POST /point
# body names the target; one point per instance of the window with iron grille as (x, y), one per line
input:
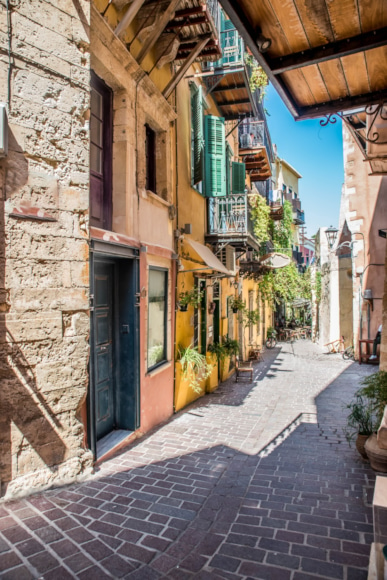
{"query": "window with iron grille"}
(157, 316)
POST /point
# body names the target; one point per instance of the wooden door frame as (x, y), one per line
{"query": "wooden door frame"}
(112, 253)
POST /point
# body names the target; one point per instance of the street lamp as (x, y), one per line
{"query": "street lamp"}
(331, 234)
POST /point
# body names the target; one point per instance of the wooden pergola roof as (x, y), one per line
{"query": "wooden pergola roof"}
(325, 55)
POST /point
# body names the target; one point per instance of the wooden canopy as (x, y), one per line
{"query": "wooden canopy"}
(325, 55)
(257, 162)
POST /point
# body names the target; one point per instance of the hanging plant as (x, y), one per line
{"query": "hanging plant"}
(190, 297)
(257, 77)
(237, 304)
(194, 366)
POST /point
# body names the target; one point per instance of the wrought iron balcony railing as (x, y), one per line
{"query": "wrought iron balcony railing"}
(251, 134)
(233, 50)
(229, 215)
(299, 216)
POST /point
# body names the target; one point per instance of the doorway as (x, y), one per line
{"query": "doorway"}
(114, 362)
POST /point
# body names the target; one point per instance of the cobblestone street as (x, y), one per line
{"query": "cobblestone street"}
(255, 481)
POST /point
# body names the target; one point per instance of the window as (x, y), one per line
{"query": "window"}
(101, 125)
(150, 159)
(197, 137)
(157, 316)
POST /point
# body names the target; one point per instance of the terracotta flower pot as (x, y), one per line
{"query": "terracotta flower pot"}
(360, 445)
(377, 456)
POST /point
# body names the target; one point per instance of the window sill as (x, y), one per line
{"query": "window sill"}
(156, 370)
(157, 198)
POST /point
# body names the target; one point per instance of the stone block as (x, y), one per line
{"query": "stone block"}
(26, 327)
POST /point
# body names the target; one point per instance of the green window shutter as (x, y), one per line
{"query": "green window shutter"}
(215, 163)
(238, 177)
(228, 168)
(197, 136)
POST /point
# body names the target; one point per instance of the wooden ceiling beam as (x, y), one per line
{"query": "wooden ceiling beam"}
(129, 16)
(235, 12)
(210, 52)
(185, 23)
(158, 30)
(190, 11)
(359, 43)
(343, 104)
(232, 103)
(185, 66)
(230, 88)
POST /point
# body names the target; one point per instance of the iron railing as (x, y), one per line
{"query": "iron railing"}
(214, 10)
(251, 134)
(299, 216)
(233, 50)
(228, 215)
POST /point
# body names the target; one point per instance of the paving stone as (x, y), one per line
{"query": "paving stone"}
(19, 573)
(43, 562)
(198, 490)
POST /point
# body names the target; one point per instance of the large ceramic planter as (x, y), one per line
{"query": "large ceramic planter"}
(376, 456)
(360, 445)
(184, 394)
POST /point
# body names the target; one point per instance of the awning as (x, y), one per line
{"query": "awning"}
(275, 260)
(204, 254)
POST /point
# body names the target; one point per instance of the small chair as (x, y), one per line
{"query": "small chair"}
(243, 369)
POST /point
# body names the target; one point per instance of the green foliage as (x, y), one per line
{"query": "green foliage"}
(218, 350)
(282, 230)
(249, 317)
(258, 78)
(193, 365)
(260, 214)
(193, 297)
(231, 346)
(317, 287)
(271, 332)
(375, 390)
(285, 284)
(361, 419)
(237, 304)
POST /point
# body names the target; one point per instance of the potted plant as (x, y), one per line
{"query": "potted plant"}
(231, 346)
(190, 297)
(194, 367)
(361, 422)
(219, 351)
(375, 389)
(237, 304)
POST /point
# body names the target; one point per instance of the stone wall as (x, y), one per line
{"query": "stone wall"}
(44, 275)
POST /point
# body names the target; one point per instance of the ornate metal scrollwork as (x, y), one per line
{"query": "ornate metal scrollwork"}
(331, 118)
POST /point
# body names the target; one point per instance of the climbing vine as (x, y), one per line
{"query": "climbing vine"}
(317, 287)
(260, 214)
(282, 230)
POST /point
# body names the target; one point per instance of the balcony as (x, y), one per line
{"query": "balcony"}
(253, 151)
(177, 31)
(299, 217)
(227, 78)
(229, 222)
(276, 210)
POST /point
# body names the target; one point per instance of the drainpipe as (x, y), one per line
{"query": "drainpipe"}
(177, 252)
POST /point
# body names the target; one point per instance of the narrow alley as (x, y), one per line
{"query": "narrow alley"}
(255, 481)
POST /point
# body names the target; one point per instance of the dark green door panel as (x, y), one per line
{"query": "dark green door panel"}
(103, 348)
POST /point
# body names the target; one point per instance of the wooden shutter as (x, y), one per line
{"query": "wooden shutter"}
(228, 168)
(238, 177)
(215, 162)
(197, 136)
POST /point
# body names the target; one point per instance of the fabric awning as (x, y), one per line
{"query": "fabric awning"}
(275, 260)
(205, 255)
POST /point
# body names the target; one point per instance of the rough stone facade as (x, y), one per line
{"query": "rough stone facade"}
(44, 261)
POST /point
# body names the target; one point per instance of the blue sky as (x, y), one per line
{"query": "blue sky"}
(317, 153)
